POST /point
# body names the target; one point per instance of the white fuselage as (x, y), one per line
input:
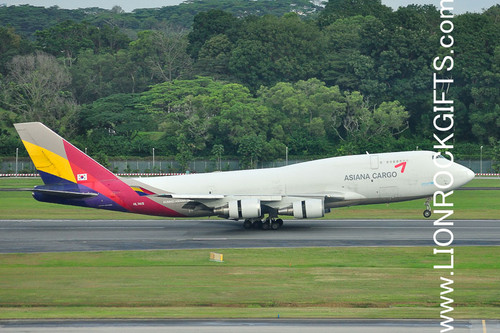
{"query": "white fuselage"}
(359, 179)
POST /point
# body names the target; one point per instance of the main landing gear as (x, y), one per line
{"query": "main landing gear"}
(427, 211)
(267, 224)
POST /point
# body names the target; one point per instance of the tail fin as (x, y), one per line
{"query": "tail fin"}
(57, 160)
(70, 176)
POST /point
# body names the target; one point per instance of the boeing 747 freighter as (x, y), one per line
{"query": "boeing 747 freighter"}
(257, 197)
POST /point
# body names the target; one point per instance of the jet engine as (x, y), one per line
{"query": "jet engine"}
(309, 208)
(237, 209)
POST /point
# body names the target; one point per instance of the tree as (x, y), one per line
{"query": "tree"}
(273, 49)
(163, 53)
(360, 123)
(65, 39)
(217, 151)
(92, 76)
(250, 150)
(36, 91)
(214, 56)
(343, 45)
(206, 25)
(185, 153)
(11, 44)
(113, 125)
(304, 111)
(477, 79)
(69, 38)
(97, 75)
(116, 114)
(337, 9)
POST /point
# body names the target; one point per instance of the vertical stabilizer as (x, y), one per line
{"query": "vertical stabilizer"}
(70, 176)
(56, 159)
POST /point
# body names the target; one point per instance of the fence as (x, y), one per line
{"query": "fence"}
(25, 166)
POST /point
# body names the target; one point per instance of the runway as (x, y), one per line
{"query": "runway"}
(262, 326)
(103, 235)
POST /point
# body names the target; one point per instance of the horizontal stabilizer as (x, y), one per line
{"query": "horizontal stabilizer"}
(66, 194)
(192, 196)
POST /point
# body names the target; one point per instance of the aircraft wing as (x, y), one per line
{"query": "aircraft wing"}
(241, 206)
(328, 196)
(219, 196)
(333, 196)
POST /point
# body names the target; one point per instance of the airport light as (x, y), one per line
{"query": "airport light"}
(17, 157)
(153, 158)
(481, 161)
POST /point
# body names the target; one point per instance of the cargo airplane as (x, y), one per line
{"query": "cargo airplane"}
(303, 190)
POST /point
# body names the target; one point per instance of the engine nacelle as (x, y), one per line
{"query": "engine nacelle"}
(238, 209)
(309, 208)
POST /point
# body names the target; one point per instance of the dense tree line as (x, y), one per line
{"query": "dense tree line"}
(338, 80)
(27, 20)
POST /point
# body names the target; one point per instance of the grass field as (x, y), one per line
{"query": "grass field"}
(480, 204)
(303, 282)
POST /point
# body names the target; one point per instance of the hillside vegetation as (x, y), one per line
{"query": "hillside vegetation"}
(247, 78)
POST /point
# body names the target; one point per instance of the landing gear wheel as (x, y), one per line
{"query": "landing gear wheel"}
(257, 224)
(427, 211)
(280, 222)
(266, 225)
(275, 225)
(247, 224)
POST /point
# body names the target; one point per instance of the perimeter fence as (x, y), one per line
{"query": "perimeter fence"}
(161, 167)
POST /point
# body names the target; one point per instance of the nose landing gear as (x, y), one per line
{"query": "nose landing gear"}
(427, 211)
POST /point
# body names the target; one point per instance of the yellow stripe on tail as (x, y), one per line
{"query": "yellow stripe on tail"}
(50, 162)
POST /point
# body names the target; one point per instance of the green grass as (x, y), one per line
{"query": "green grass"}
(21, 182)
(477, 204)
(303, 282)
(484, 182)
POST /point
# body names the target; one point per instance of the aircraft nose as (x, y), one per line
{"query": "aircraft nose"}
(464, 175)
(469, 174)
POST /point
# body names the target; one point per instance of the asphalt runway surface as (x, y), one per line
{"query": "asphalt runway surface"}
(26, 236)
(261, 326)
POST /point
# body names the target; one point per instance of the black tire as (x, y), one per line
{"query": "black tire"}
(427, 213)
(275, 225)
(257, 224)
(247, 224)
